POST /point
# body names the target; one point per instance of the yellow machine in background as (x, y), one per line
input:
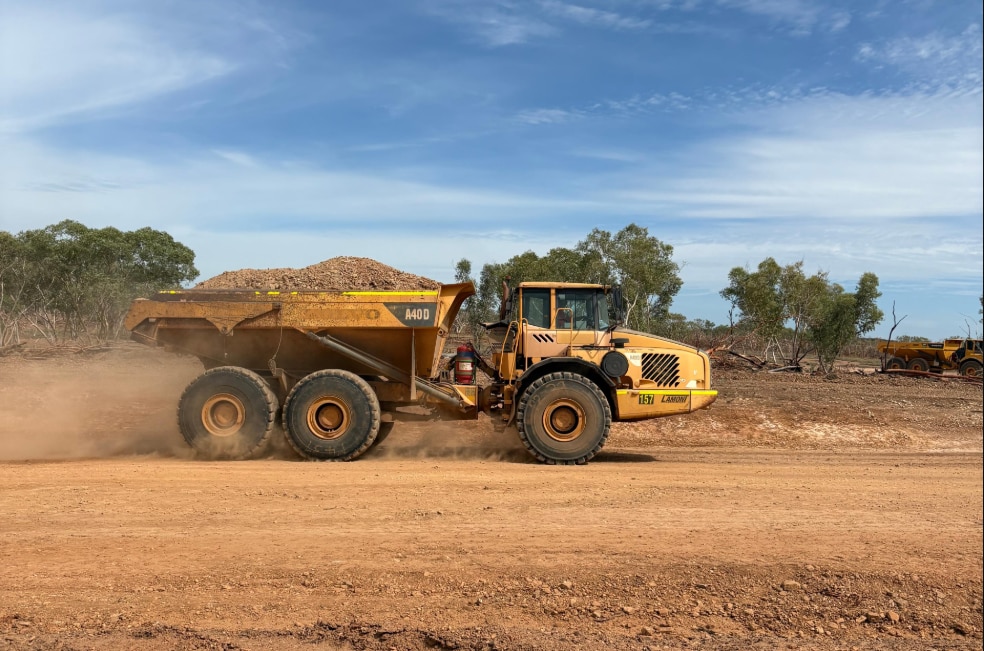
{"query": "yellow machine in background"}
(340, 368)
(963, 355)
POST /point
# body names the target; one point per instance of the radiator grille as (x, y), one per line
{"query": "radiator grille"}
(662, 369)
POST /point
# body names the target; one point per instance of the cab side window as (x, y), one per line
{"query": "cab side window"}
(536, 307)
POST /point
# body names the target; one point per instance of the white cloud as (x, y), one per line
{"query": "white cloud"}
(498, 29)
(495, 24)
(64, 61)
(839, 20)
(547, 116)
(613, 155)
(237, 157)
(237, 211)
(931, 270)
(593, 17)
(843, 247)
(58, 64)
(800, 16)
(230, 189)
(833, 156)
(935, 54)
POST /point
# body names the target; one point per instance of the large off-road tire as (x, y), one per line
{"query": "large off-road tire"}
(918, 364)
(894, 364)
(331, 414)
(227, 413)
(563, 418)
(970, 368)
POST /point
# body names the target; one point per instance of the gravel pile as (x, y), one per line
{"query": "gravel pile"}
(335, 274)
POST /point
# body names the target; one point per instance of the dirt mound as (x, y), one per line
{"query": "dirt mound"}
(335, 274)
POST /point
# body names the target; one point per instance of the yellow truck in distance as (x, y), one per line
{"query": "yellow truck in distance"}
(339, 369)
(963, 355)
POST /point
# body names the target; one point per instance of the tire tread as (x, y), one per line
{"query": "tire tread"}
(256, 380)
(569, 377)
(374, 414)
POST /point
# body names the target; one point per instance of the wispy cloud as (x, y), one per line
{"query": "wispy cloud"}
(237, 157)
(800, 16)
(593, 17)
(224, 188)
(834, 156)
(936, 54)
(505, 22)
(729, 100)
(795, 17)
(635, 105)
(72, 61)
(547, 116)
(613, 155)
(271, 213)
(494, 23)
(56, 64)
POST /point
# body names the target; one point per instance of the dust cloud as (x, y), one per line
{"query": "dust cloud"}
(469, 439)
(124, 402)
(121, 402)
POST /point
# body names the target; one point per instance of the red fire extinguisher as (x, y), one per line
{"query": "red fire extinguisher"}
(464, 365)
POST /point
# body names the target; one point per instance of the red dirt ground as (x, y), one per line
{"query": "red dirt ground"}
(797, 512)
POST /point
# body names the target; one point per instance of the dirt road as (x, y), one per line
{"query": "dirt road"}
(822, 529)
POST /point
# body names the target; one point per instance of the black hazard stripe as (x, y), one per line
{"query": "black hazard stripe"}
(414, 314)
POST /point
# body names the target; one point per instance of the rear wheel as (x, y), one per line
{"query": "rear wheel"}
(227, 413)
(331, 414)
(894, 364)
(970, 368)
(563, 418)
(918, 364)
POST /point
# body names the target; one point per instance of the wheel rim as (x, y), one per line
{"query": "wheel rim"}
(223, 414)
(972, 370)
(563, 420)
(328, 418)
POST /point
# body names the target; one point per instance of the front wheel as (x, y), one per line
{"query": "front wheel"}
(971, 368)
(331, 414)
(227, 413)
(563, 418)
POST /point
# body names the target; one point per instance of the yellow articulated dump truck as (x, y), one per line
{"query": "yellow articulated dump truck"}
(338, 369)
(963, 355)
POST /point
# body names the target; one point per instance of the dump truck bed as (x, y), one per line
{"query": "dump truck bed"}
(249, 328)
(938, 350)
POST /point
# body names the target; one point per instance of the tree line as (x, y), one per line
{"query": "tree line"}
(68, 281)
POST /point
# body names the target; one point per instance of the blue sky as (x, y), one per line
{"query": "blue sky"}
(262, 134)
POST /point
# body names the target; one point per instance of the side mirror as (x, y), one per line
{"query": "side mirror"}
(618, 305)
(505, 307)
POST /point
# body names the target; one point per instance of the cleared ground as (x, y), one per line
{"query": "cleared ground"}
(796, 513)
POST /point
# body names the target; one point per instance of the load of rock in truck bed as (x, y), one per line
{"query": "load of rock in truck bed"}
(344, 273)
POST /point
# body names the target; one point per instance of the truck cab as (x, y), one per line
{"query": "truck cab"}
(575, 328)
